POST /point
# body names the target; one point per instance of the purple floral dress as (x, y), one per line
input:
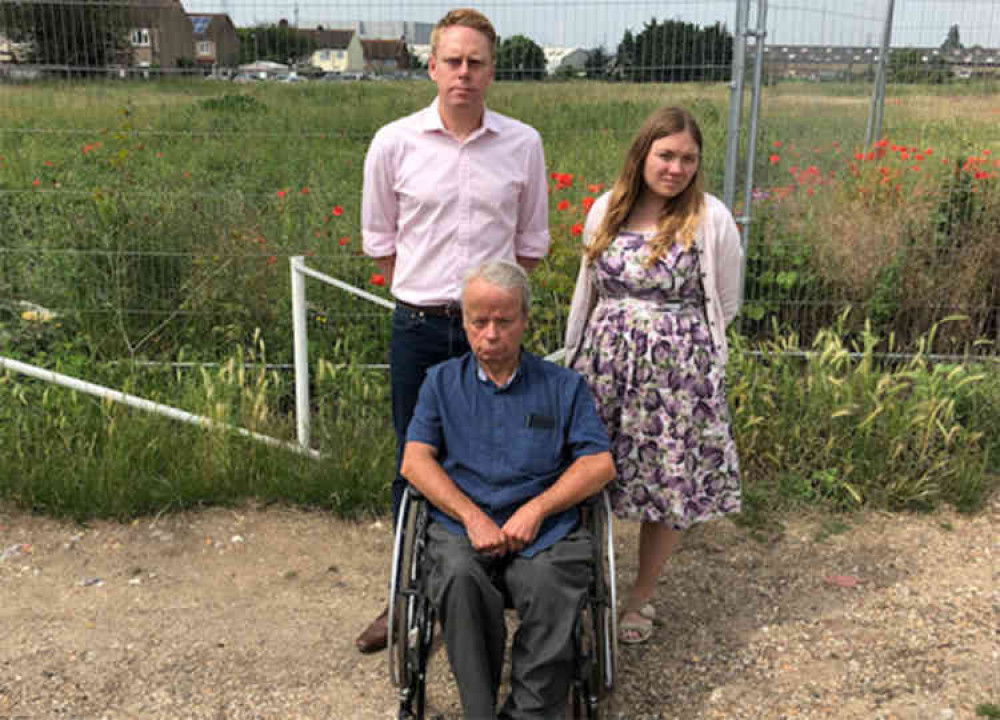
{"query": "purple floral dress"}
(660, 388)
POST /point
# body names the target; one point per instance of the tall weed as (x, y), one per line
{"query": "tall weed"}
(836, 424)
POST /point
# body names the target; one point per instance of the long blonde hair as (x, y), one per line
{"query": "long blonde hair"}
(680, 216)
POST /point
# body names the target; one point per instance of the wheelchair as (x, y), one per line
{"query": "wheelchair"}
(412, 614)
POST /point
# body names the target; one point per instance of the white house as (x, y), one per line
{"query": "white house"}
(565, 58)
(337, 51)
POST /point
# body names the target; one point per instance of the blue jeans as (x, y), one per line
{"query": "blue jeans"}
(419, 341)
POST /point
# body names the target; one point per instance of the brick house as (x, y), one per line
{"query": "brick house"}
(160, 34)
(216, 42)
(385, 56)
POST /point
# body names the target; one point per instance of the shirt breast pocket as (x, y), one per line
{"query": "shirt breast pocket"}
(537, 451)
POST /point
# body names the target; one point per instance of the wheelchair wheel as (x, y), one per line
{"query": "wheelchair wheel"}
(597, 629)
(606, 617)
(411, 615)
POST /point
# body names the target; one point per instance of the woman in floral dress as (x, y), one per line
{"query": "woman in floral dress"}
(658, 284)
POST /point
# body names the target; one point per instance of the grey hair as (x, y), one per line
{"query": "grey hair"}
(504, 274)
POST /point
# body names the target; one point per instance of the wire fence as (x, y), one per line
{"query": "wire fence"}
(159, 162)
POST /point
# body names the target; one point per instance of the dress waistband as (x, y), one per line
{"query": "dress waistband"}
(657, 305)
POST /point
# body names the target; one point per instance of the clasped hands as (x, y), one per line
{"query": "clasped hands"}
(516, 534)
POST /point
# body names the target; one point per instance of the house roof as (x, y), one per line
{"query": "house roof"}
(202, 21)
(382, 49)
(329, 39)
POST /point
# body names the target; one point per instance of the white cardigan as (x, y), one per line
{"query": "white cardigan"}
(721, 255)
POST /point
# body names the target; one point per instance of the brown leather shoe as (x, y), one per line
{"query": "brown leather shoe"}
(376, 636)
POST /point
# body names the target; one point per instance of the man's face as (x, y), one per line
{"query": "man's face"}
(494, 322)
(462, 67)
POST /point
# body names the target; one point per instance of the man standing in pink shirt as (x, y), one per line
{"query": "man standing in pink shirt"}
(446, 189)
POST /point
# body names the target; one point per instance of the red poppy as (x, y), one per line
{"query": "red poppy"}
(987, 152)
(272, 260)
(774, 159)
(337, 211)
(304, 191)
(345, 240)
(859, 156)
(595, 188)
(576, 229)
(281, 194)
(777, 143)
(904, 155)
(49, 163)
(377, 279)
(563, 205)
(159, 154)
(587, 202)
(187, 175)
(318, 234)
(36, 182)
(554, 175)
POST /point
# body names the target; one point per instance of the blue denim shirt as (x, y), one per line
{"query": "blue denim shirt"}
(502, 446)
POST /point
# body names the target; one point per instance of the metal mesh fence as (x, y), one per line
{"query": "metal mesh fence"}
(160, 162)
(904, 229)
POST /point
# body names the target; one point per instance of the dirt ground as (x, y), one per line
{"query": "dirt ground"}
(252, 613)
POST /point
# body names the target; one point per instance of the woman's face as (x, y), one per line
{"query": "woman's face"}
(671, 164)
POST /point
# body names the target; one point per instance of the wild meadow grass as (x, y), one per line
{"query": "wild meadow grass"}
(153, 221)
(69, 454)
(827, 426)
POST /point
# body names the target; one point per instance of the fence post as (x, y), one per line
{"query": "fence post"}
(735, 102)
(301, 350)
(874, 130)
(758, 71)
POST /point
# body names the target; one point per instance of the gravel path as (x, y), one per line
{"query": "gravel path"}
(251, 613)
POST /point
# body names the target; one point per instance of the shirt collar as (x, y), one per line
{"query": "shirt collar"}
(432, 121)
(484, 378)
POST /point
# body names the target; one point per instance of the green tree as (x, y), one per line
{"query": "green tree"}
(275, 43)
(625, 58)
(909, 65)
(598, 63)
(676, 51)
(520, 58)
(79, 35)
(952, 41)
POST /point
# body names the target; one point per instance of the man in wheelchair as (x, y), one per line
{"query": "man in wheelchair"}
(505, 445)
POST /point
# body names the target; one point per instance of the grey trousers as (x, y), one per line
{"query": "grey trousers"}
(547, 591)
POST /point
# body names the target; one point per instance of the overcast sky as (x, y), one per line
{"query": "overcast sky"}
(588, 23)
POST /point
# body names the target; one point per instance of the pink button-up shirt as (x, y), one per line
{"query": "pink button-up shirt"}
(441, 205)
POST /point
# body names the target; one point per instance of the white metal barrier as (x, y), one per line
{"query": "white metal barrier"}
(300, 271)
(147, 405)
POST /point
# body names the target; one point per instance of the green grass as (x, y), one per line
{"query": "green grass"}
(164, 213)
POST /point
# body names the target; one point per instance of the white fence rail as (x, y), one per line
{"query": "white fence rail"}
(139, 403)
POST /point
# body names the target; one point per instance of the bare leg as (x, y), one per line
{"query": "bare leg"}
(656, 543)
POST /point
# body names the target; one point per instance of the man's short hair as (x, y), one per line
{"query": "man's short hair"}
(465, 17)
(504, 274)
